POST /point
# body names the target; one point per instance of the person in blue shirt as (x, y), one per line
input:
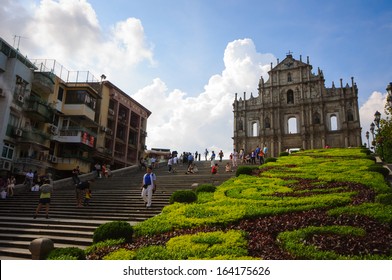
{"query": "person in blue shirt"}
(148, 187)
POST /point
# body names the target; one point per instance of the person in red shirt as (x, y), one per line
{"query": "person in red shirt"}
(214, 169)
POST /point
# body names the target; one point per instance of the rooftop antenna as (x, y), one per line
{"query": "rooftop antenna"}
(18, 38)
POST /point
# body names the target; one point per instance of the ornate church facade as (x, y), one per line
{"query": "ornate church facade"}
(294, 109)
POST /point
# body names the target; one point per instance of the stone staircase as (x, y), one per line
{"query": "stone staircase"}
(115, 198)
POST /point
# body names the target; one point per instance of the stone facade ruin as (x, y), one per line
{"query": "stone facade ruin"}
(294, 109)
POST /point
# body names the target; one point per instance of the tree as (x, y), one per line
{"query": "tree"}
(384, 135)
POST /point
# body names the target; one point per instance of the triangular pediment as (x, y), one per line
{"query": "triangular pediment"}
(288, 63)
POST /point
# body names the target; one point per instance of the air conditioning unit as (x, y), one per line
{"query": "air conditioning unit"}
(111, 112)
(20, 98)
(18, 132)
(54, 159)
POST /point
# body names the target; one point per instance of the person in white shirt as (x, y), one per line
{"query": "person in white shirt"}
(29, 179)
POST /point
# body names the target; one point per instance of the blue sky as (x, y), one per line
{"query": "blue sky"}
(184, 60)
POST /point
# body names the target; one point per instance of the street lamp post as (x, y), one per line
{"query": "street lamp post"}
(377, 118)
(367, 137)
(372, 125)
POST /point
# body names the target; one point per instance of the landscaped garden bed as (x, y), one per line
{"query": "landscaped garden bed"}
(318, 204)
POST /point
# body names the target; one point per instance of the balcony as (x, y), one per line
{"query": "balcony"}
(23, 164)
(35, 136)
(103, 153)
(79, 110)
(76, 135)
(43, 82)
(38, 109)
(68, 162)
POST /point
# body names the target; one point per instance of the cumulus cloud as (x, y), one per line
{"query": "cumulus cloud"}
(69, 32)
(186, 123)
(376, 102)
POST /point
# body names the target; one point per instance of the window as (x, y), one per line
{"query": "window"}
(289, 79)
(316, 118)
(60, 94)
(350, 116)
(292, 125)
(80, 97)
(290, 97)
(13, 120)
(334, 123)
(8, 151)
(240, 125)
(267, 123)
(65, 124)
(255, 129)
(20, 86)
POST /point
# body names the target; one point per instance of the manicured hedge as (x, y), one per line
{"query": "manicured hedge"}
(69, 253)
(205, 188)
(380, 169)
(244, 169)
(270, 159)
(113, 230)
(183, 196)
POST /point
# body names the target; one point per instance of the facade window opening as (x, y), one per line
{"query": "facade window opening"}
(255, 129)
(350, 116)
(292, 125)
(60, 94)
(267, 123)
(240, 125)
(334, 123)
(8, 151)
(290, 97)
(289, 79)
(316, 119)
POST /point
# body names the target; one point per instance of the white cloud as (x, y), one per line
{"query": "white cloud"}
(69, 32)
(376, 102)
(192, 124)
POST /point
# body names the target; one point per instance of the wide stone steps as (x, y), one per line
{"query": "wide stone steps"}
(115, 198)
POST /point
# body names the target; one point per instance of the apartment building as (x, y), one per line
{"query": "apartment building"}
(55, 119)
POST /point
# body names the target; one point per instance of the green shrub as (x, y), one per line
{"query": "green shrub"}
(284, 154)
(107, 243)
(380, 169)
(385, 198)
(270, 159)
(207, 245)
(183, 196)
(205, 188)
(293, 241)
(120, 254)
(69, 253)
(113, 230)
(153, 252)
(247, 170)
(371, 157)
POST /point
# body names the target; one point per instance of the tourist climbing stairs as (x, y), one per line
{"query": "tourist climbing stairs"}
(115, 198)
